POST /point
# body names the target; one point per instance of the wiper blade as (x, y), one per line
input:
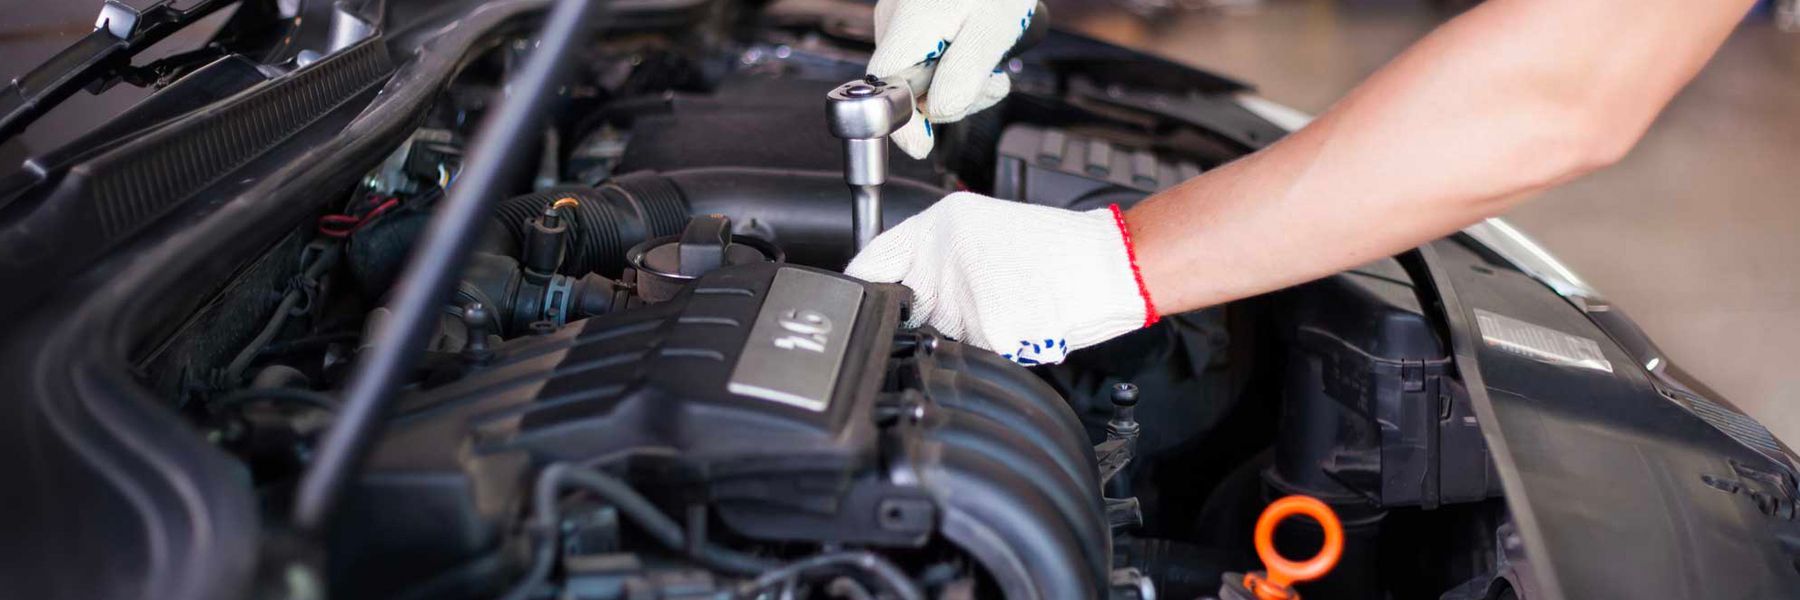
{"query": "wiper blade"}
(95, 59)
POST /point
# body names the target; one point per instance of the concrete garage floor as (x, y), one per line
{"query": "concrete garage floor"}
(1696, 234)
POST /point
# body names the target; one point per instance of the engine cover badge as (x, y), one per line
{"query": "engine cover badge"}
(798, 342)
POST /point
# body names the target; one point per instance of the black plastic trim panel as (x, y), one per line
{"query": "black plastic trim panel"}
(1616, 491)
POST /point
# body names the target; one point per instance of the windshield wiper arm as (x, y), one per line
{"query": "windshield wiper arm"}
(119, 34)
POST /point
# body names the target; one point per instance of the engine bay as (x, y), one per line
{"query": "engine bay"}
(651, 379)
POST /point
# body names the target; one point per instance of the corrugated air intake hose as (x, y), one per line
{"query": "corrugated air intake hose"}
(806, 213)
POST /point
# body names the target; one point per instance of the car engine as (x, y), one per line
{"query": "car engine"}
(633, 328)
(676, 327)
(782, 401)
(650, 378)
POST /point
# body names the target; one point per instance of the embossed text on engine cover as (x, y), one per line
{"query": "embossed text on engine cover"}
(797, 345)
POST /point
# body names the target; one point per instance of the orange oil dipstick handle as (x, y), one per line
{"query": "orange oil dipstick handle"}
(1283, 573)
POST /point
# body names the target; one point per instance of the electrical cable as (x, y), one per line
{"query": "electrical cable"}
(544, 529)
(868, 562)
(631, 504)
(234, 371)
(666, 532)
(342, 226)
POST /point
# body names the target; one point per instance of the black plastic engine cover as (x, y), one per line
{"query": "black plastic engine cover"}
(774, 395)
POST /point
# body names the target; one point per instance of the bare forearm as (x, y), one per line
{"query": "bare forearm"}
(1513, 97)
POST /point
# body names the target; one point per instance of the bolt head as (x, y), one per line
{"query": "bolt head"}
(1124, 394)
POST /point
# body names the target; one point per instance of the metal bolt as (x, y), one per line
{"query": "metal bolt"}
(1124, 394)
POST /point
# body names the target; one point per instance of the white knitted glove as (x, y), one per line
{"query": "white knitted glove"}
(965, 39)
(1029, 282)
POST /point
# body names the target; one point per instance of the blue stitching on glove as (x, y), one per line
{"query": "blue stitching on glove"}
(1031, 353)
(934, 55)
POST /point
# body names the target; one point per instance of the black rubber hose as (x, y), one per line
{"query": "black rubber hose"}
(606, 222)
(661, 527)
(234, 372)
(634, 506)
(543, 555)
(665, 531)
(868, 562)
(502, 143)
(806, 213)
(1179, 569)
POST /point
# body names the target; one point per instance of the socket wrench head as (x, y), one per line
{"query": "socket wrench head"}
(868, 109)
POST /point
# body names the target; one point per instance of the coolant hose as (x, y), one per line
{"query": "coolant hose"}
(806, 213)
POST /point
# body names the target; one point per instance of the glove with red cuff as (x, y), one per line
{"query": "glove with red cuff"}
(1029, 282)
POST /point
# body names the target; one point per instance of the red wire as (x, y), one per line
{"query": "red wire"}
(382, 208)
(341, 226)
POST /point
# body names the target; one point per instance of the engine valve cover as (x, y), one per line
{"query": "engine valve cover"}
(786, 400)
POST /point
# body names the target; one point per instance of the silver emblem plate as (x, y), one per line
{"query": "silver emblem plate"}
(798, 342)
(1540, 343)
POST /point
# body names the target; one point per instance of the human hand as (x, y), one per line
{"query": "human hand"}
(964, 39)
(1029, 282)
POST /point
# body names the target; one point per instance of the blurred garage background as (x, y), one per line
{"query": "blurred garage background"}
(1696, 234)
